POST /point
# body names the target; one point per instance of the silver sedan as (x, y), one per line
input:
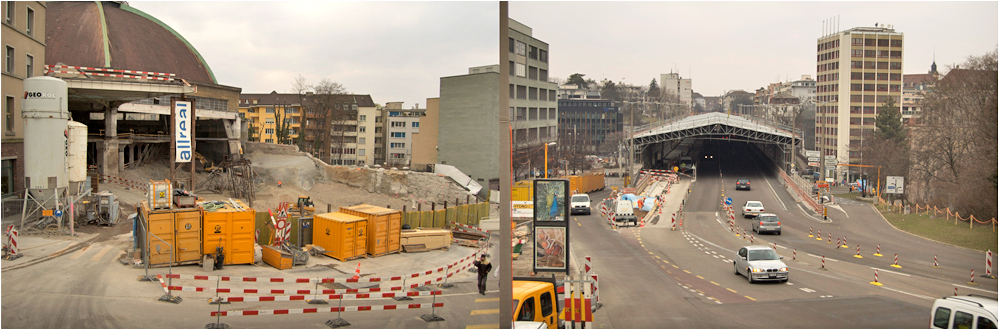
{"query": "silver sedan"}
(760, 263)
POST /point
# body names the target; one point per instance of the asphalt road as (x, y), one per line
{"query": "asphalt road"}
(658, 278)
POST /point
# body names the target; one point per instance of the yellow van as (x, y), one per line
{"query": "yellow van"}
(535, 300)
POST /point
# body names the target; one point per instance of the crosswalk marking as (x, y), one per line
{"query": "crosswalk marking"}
(485, 311)
(101, 254)
(80, 253)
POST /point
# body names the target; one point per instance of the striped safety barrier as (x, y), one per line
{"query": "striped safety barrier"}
(459, 225)
(282, 291)
(327, 297)
(112, 75)
(326, 310)
(50, 66)
(11, 244)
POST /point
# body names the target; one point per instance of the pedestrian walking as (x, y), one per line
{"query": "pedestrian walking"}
(484, 267)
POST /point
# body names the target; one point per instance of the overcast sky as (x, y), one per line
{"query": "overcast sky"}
(397, 51)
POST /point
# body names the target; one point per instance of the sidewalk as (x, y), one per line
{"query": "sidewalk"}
(671, 204)
(34, 247)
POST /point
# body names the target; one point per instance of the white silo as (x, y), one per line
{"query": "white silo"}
(77, 155)
(46, 115)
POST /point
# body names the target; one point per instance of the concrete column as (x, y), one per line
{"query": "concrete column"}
(121, 158)
(131, 155)
(109, 163)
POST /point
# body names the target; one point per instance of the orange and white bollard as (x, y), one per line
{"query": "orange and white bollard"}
(794, 254)
(845, 246)
(858, 253)
(935, 265)
(819, 236)
(972, 282)
(810, 232)
(878, 253)
(823, 262)
(896, 262)
(830, 238)
(876, 278)
(955, 291)
(838, 240)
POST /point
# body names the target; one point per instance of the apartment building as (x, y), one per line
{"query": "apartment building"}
(676, 85)
(425, 140)
(267, 114)
(24, 57)
(857, 71)
(401, 125)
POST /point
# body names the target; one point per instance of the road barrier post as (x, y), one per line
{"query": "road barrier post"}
(794, 254)
(837, 243)
(845, 246)
(819, 236)
(955, 291)
(858, 253)
(935, 265)
(896, 262)
(878, 253)
(988, 265)
(830, 238)
(972, 282)
(810, 232)
(876, 278)
(433, 317)
(338, 321)
(823, 262)
(318, 301)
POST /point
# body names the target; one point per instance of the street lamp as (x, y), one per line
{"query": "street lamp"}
(546, 157)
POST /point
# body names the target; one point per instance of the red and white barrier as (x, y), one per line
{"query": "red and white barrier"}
(876, 278)
(819, 236)
(988, 263)
(11, 243)
(858, 253)
(461, 226)
(328, 297)
(935, 265)
(878, 253)
(282, 291)
(326, 310)
(896, 262)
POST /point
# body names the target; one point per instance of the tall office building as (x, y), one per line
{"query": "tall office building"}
(673, 83)
(857, 71)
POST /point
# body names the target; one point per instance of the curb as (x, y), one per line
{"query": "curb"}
(914, 235)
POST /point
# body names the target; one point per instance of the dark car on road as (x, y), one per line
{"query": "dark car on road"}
(742, 183)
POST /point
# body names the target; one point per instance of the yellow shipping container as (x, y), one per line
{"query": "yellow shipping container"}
(233, 230)
(179, 228)
(384, 227)
(575, 184)
(343, 236)
(522, 191)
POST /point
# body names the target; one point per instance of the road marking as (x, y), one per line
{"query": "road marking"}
(101, 254)
(716, 256)
(750, 298)
(782, 247)
(706, 252)
(483, 326)
(700, 277)
(806, 290)
(650, 252)
(911, 294)
(664, 261)
(657, 257)
(486, 299)
(775, 195)
(485, 311)
(713, 282)
(733, 291)
(579, 224)
(686, 271)
(888, 271)
(80, 253)
(674, 266)
(968, 287)
(825, 296)
(789, 283)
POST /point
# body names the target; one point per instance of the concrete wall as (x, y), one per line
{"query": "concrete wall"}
(468, 138)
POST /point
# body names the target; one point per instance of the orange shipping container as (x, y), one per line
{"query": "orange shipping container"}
(384, 227)
(231, 229)
(176, 228)
(343, 236)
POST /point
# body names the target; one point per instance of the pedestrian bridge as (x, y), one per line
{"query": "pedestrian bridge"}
(716, 126)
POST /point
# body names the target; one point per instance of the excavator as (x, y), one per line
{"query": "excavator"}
(303, 207)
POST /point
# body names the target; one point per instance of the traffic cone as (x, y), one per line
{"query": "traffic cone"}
(357, 272)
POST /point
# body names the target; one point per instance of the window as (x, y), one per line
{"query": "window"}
(896, 43)
(8, 114)
(360, 152)
(542, 74)
(546, 305)
(31, 21)
(533, 95)
(269, 110)
(10, 13)
(398, 124)
(984, 323)
(269, 121)
(9, 67)
(512, 45)
(398, 134)
(269, 131)
(29, 65)
(543, 56)
(521, 92)
(896, 65)
(533, 54)
(361, 140)
(962, 320)
(397, 145)
(532, 73)
(353, 107)
(362, 129)
(520, 70)
(291, 110)
(858, 42)
(269, 140)
(520, 48)
(416, 124)
(526, 310)
(362, 118)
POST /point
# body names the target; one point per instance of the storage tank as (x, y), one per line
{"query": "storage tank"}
(45, 111)
(77, 151)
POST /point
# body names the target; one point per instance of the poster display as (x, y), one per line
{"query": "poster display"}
(551, 225)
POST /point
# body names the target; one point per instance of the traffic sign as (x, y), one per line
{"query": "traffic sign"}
(813, 164)
(895, 185)
(813, 159)
(728, 200)
(811, 153)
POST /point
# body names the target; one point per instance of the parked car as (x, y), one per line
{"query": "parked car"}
(964, 312)
(752, 209)
(760, 263)
(767, 222)
(742, 183)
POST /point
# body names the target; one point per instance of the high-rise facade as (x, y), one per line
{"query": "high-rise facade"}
(857, 71)
(24, 57)
(673, 83)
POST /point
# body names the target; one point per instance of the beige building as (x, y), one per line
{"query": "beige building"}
(858, 70)
(24, 57)
(674, 84)
(425, 141)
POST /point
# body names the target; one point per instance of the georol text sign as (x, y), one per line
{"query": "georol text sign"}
(183, 124)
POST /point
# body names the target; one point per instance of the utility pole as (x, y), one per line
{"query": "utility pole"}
(631, 146)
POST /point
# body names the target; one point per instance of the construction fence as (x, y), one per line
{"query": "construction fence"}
(934, 211)
(468, 214)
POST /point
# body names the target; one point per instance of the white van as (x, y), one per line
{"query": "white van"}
(964, 312)
(579, 203)
(624, 211)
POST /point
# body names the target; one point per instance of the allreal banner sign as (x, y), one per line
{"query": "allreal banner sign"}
(183, 125)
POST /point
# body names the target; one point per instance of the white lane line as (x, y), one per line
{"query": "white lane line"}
(968, 287)
(706, 252)
(911, 294)
(716, 256)
(888, 271)
(820, 257)
(775, 194)
(782, 247)
(806, 290)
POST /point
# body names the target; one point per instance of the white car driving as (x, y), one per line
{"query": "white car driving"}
(752, 209)
(760, 263)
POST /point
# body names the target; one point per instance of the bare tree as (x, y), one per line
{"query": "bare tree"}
(326, 110)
